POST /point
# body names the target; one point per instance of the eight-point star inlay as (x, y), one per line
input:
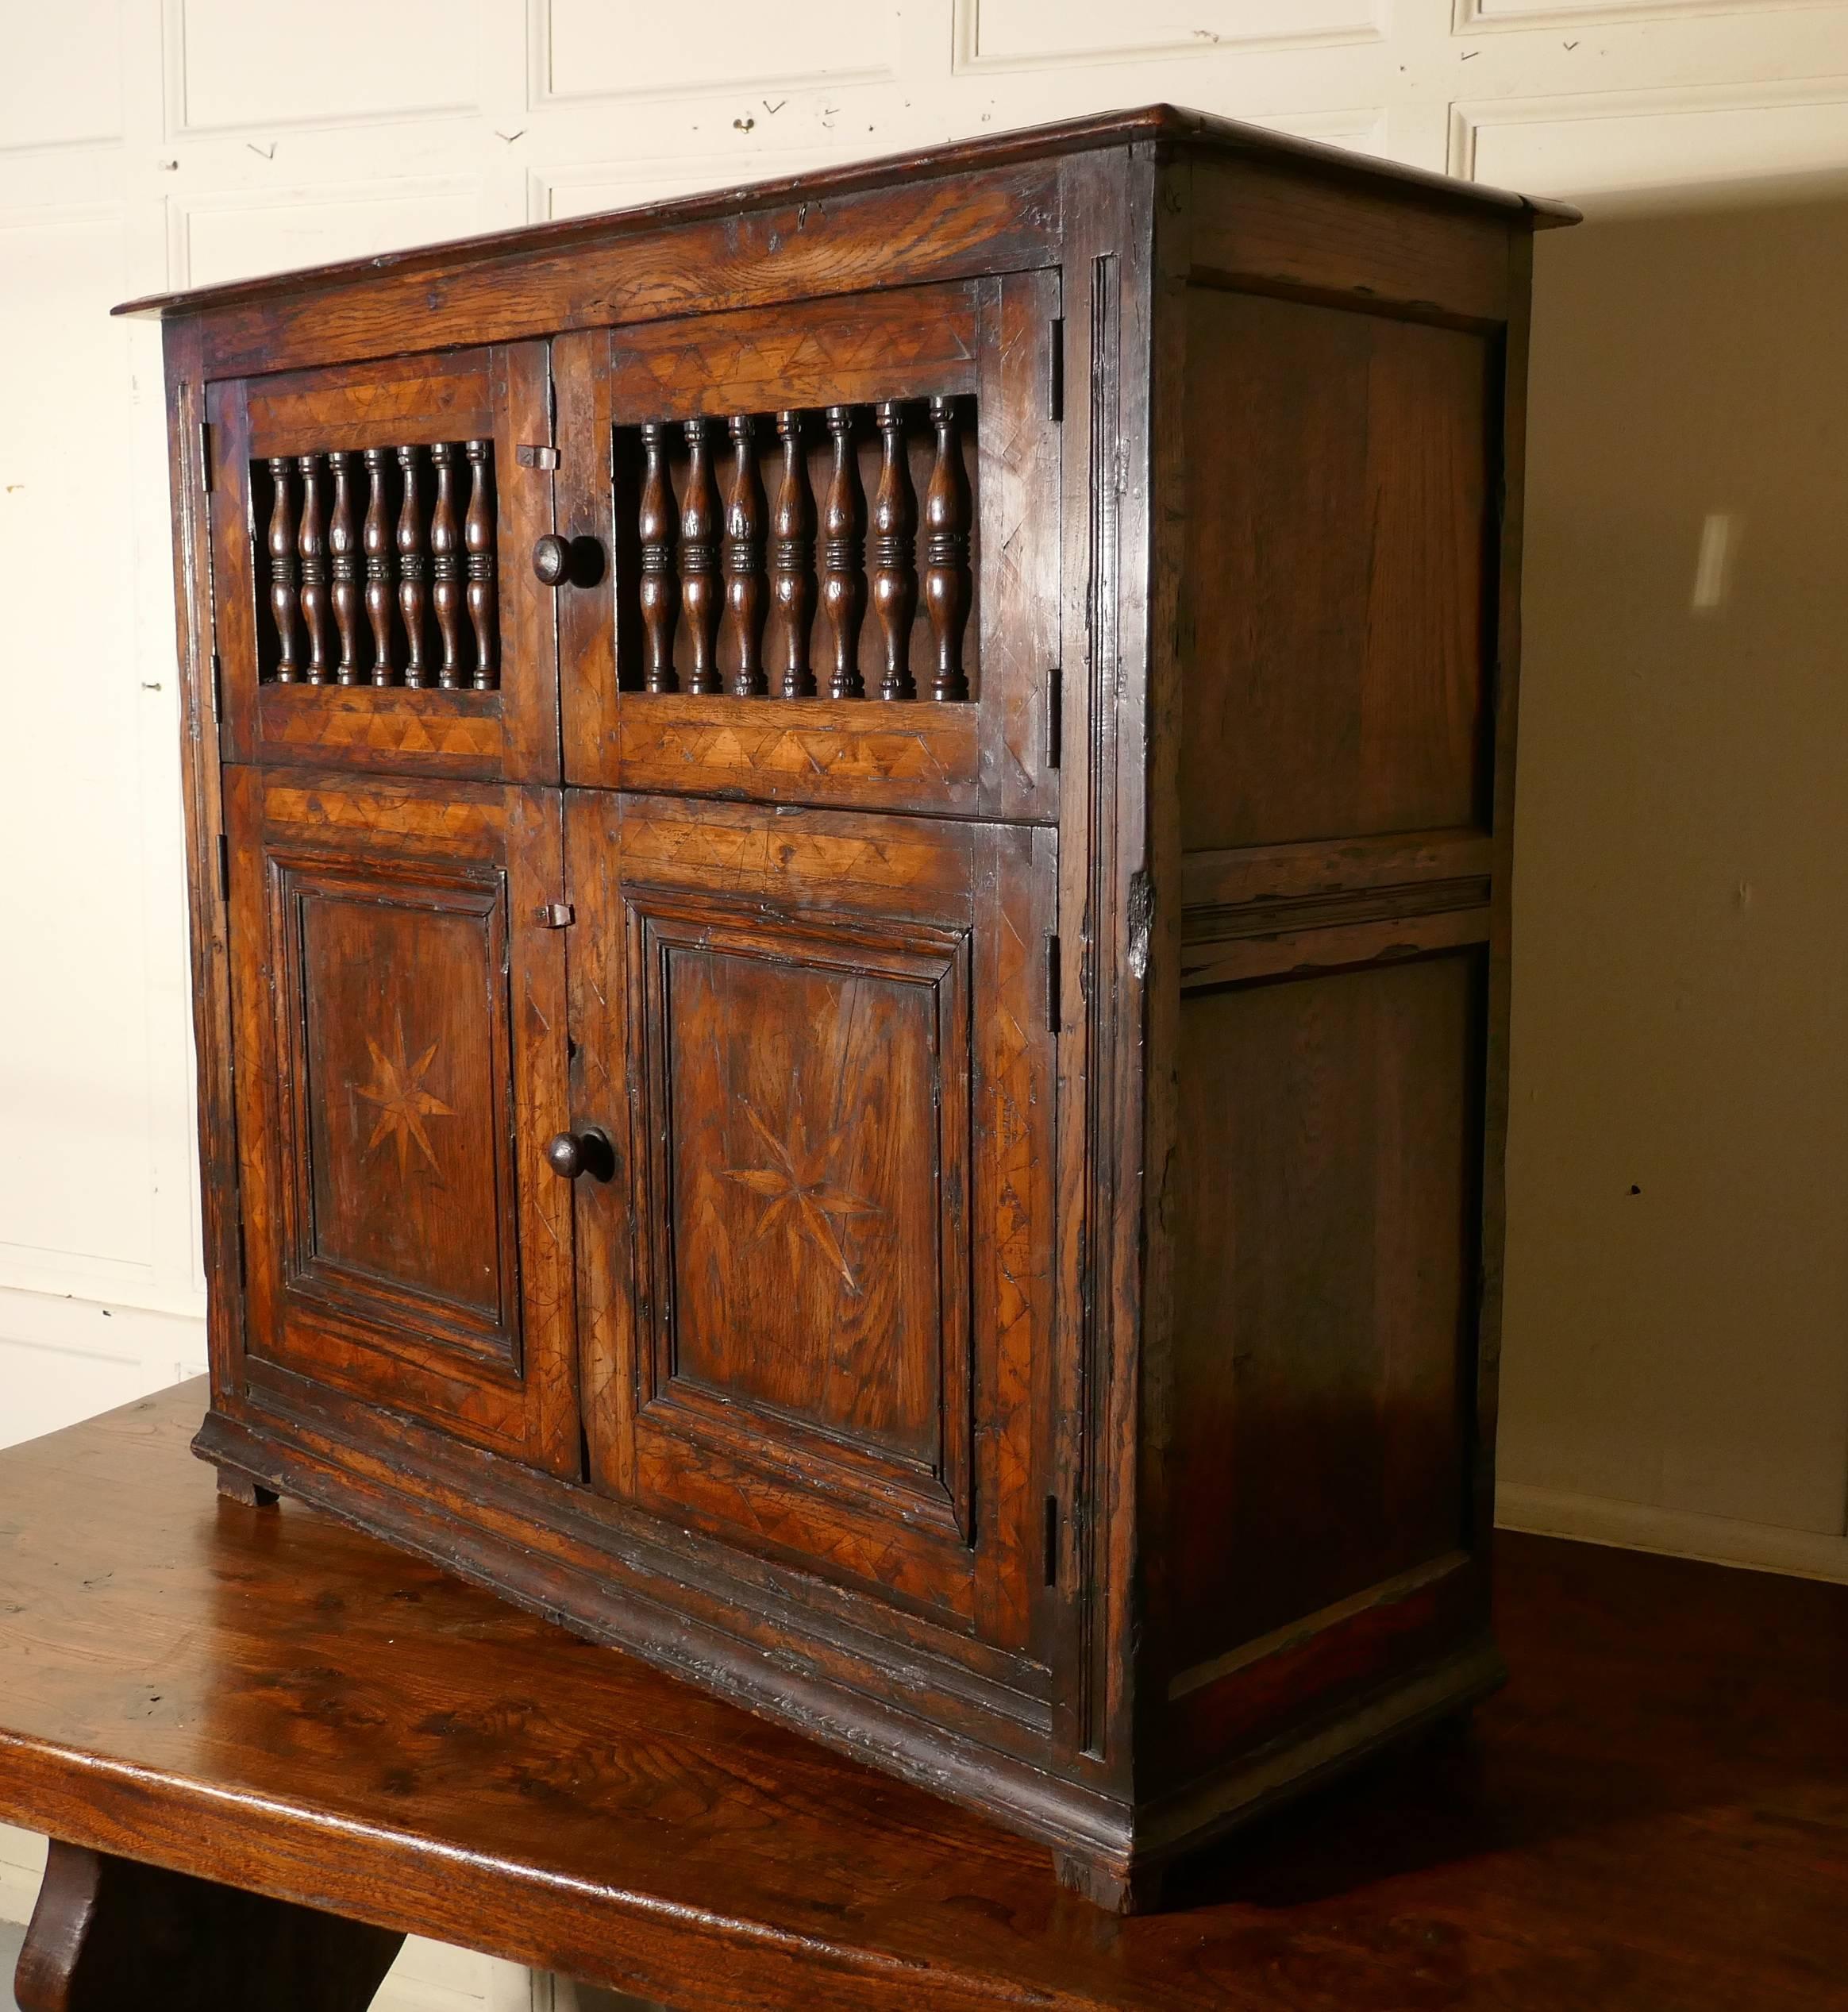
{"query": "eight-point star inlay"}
(403, 1102)
(798, 1197)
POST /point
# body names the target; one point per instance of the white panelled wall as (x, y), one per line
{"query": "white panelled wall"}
(1677, 1344)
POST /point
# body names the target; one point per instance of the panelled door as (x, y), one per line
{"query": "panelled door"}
(375, 604)
(398, 993)
(815, 1292)
(832, 531)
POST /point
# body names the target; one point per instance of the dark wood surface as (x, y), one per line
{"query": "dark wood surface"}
(109, 1932)
(1018, 890)
(1652, 1815)
(1226, 138)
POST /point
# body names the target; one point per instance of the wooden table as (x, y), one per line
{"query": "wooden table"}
(1654, 1814)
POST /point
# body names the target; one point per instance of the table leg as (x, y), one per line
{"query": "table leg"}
(108, 1932)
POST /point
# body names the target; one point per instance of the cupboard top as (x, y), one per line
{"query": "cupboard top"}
(1154, 123)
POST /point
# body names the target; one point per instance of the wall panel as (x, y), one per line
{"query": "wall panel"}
(1554, 13)
(231, 237)
(1602, 143)
(1039, 31)
(587, 49)
(231, 66)
(61, 83)
(76, 1176)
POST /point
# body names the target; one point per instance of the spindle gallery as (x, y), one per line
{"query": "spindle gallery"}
(326, 560)
(849, 888)
(804, 619)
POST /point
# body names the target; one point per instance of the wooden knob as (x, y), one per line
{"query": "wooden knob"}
(569, 1154)
(551, 560)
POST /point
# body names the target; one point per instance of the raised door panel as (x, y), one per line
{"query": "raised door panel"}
(815, 1293)
(399, 1005)
(374, 606)
(833, 528)
(1340, 538)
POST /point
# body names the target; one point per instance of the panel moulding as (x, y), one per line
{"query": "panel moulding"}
(1340, 21)
(363, 199)
(542, 91)
(1642, 168)
(585, 188)
(1363, 129)
(179, 124)
(94, 83)
(1487, 16)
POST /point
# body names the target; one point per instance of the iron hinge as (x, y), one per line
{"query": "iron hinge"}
(1051, 1540)
(243, 1258)
(224, 867)
(1055, 713)
(205, 456)
(1053, 1013)
(1056, 371)
(217, 686)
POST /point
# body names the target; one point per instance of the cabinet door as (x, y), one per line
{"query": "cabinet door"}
(374, 602)
(834, 532)
(400, 1003)
(815, 1293)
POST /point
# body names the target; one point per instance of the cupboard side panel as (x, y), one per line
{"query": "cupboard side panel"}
(1313, 1435)
(1337, 557)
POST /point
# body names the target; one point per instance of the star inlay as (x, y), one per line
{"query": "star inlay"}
(798, 1197)
(403, 1102)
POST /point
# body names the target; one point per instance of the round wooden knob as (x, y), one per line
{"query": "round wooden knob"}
(551, 560)
(569, 1154)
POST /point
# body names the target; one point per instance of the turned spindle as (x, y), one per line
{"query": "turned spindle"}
(743, 563)
(376, 538)
(843, 581)
(947, 587)
(659, 592)
(699, 558)
(892, 550)
(792, 559)
(412, 569)
(343, 548)
(478, 538)
(446, 566)
(284, 575)
(311, 547)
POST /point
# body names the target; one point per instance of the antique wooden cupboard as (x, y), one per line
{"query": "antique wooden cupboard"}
(849, 857)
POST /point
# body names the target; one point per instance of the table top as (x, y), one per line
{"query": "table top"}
(1653, 1814)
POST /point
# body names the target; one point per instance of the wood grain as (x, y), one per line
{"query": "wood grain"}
(1255, 225)
(1334, 693)
(907, 1118)
(1326, 1275)
(1196, 132)
(399, 1016)
(1645, 1817)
